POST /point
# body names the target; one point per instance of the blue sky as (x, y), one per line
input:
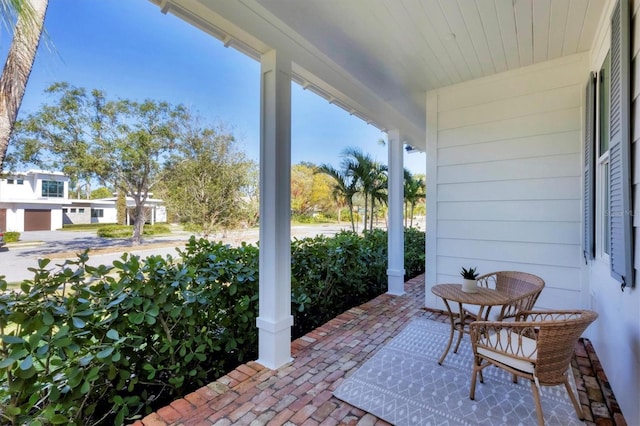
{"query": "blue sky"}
(131, 50)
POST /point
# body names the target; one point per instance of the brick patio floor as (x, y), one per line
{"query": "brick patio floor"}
(300, 393)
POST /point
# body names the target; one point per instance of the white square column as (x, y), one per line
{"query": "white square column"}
(275, 320)
(395, 234)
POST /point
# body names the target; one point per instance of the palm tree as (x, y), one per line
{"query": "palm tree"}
(414, 191)
(358, 166)
(26, 38)
(378, 190)
(344, 188)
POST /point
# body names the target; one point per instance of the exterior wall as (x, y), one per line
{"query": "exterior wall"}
(16, 211)
(77, 214)
(31, 188)
(18, 198)
(56, 218)
(504, 164)
(15, 219)
(110, 215)
(160, 213)
(616, 333)
(14, 191)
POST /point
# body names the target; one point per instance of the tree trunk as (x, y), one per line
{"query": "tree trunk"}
(406, 207)
(412, 206)
(353, 224)
(366, 209)
(138, 225)
(18, 67)
(373, 202)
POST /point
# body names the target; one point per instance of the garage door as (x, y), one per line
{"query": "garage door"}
(37, 220)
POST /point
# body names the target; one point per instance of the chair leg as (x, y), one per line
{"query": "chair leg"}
(515, 378)
(574, 400)
(472, 391)
(536, 400)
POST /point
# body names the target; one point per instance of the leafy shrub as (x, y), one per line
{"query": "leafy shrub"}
(156, 229)
(306, 219)
(115, 231)
(110, 344)
(302, 218)
(91, 343)
(192, 227)
(331, 275)
(414, 252)
(126, 231)
(84, 226)
(11, 237)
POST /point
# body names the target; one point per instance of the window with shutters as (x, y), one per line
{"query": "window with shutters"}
(619, 195)
(602, 162)
(607, 161)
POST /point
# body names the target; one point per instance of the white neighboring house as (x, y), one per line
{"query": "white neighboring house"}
(103, 210)
(33, 200)
(38, 200)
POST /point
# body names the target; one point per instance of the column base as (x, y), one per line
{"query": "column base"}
(274, 342)
(395, 283)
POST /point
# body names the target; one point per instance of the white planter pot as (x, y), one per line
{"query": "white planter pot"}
(469, 286)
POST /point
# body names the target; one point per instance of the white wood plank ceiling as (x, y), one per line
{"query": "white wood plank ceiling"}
(397, 50)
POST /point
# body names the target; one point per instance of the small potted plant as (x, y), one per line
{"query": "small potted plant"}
(469, 276)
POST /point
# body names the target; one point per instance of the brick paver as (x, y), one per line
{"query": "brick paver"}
(300, 392)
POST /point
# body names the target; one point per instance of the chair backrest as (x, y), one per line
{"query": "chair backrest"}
(558, 333)
(524, 288)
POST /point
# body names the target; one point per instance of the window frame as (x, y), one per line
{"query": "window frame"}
(46, 188)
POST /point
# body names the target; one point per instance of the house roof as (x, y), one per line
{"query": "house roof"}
(378, 58)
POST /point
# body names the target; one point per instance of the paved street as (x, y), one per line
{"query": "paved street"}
(15, 259)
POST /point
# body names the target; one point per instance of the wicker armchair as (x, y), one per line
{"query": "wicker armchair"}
(525, 289)
(538, 346)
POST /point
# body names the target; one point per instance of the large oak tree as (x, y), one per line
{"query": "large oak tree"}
(120, 142)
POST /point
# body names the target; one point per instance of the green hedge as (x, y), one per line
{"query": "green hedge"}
(126, 231)
(11, 237)
(115, 343)
(84, 226)
(330, 275)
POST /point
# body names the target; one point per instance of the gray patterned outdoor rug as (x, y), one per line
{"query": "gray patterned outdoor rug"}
(404, 385)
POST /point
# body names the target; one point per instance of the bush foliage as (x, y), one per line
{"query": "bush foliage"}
(126, 231)
(11, 237)
(84, 226)
(89, 345)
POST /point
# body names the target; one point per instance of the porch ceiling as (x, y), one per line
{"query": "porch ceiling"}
(378, 58)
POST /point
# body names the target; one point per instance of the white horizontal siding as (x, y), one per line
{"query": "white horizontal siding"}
(508, 177)
(554, 276)
(526, 168)
(537, 124)
(564, 255)
(509, 149)
(524, 211)
(534, 232)
(533, 103)
(537, 78)
(556, 188)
